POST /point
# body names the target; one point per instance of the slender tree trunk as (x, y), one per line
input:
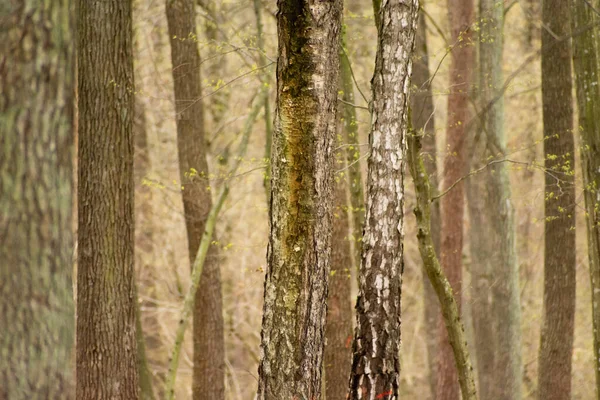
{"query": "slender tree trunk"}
(452, 204)
(338, 328)
(423, 122)
(36, 189)
(208, 380)
(585, 61)
(357, 196)
(556, 345)
(376, 364)
(106, 328)
(497, 266)
(298, 254)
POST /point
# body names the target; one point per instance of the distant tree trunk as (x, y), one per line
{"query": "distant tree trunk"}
(106, 328)
(497, 319)
(208, 380)
(36, 189)
(556, 345)
(298, 254)
(585, 57)
(357, 196)
(376, 364)
(460, 14)
(423, 121)
(338, 328)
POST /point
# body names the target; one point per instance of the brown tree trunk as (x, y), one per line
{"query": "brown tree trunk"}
(423, 122)
(460, 14)
(36, 189)
(106, 330)
(585, 60)
(208, 380)
(298, 253)
(376, 365)
(338, 328)
(556, 346)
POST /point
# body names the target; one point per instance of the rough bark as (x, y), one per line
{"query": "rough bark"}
(460, 14)
(208, 381)
(298, 254)
(376, 365)
(338, 328)
(432, 268)
(556, 347)
(424, 123)
(498, 271)
(106, 329)
(36, 189)
(351, 139)
(585, 61)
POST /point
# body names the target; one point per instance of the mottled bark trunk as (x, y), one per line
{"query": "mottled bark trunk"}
(298, 253)
(423, 123)
(585, 60)
(556, 345)
(499, 268)
(106, 329)
(208, 381)
(376, 346)
(460, 13)
(338, 328)
(36, 189)
(357, 196)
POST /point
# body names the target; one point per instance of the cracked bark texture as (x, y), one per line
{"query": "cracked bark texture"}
(460, 16)
(208, 381)
(556, 344)
(423, 121)
(496, 291)
(106, 326)
(585, 61)
(36, 188)
(376, 365)
(298, 254)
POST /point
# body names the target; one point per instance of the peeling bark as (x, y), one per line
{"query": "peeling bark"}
(376, 365)
(298, 252)
(556, 344)
(106, 328)
(36, 193)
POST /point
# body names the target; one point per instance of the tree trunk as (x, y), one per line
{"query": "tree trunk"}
(208, 380)
(338, 328)
(460, 14)
(36, 188)
(423, 122)
(298, 253)
(556, 347)
(585, 61)
(357, 196)
(376, 364)
(496, 254)
(106, 330)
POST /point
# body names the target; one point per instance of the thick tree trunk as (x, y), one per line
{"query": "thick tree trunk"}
(585, 60)
(493, 231)
(298, 253)
(423, 122)
(106, 328)
(208, 380)
(36, 189)
(338, 328)
(376, 364)
(556, 346)
(452, 203)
